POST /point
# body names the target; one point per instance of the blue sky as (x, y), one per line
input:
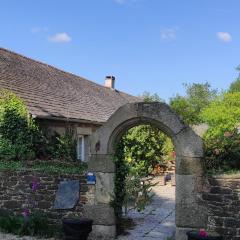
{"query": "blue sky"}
(149, 45)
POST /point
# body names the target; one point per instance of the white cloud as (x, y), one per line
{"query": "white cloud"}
(60, 38)
(168, 33)
(224, 36)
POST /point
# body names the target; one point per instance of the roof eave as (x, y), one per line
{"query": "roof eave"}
(72, 120)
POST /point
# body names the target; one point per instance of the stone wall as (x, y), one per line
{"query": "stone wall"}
(16, 193)
(222, 198)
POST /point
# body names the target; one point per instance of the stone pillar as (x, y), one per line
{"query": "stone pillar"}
(104, 223)
(190, 214)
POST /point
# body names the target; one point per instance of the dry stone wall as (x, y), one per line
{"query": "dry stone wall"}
(222, 198)
(16, 193)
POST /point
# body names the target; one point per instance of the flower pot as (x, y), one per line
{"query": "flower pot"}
(194, 235)
(77, 229)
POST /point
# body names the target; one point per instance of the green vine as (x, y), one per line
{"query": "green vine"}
(120, 177)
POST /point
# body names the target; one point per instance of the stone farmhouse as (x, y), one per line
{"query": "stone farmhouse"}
(56, 98)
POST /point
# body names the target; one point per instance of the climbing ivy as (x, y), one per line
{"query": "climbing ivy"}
(136, 154)
(122, 170)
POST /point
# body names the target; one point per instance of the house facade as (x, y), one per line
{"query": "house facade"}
(58, 99)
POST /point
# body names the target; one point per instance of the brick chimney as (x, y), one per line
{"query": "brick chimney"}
(110, 82)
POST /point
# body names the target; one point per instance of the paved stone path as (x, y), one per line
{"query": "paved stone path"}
(4, 236)
(158, 219)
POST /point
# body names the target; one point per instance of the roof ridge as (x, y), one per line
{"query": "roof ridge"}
(53, 67)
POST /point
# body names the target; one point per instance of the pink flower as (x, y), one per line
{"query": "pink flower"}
(26, 213)
(174, 154)
(202, 233)
(228, 134)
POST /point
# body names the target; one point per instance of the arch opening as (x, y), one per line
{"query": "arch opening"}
(120, 130)
(145, 181)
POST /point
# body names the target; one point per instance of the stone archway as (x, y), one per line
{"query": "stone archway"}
(189, 153)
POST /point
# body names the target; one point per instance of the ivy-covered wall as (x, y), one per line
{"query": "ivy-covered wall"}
(17, 193)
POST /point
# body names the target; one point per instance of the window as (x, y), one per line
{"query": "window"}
(80, 148)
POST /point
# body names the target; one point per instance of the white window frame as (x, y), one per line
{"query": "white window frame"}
(82, 157)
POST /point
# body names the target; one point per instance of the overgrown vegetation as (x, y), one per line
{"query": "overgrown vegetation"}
(222, 139)
(34, 225)
(19, 135)
(120, 180)
(21, 139)
(61, 147)
(44, 166)
(138, 192)
(221, 112)
(144, 148)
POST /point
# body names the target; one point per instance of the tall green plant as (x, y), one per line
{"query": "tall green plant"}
(65, 146)
(122, 171)
(222, 140)
(18, 132)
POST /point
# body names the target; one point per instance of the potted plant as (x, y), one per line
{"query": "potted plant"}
(203, 235)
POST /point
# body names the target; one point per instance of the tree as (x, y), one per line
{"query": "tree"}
(143, 148)
(222, 138)
(235, 86)
(223, 114)
(189, 107)
(148, 97)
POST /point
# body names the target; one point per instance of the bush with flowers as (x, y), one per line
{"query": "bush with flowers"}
(222, 139)
(22, 139)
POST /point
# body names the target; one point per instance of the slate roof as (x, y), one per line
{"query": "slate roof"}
(52, 93)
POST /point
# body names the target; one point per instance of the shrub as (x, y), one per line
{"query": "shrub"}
(36, 224)
(222, 139)
(138, 192)
(64, 146)
(144, 147)
(222, 152)
(18, 132)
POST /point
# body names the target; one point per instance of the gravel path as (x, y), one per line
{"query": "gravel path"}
(158, 219)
